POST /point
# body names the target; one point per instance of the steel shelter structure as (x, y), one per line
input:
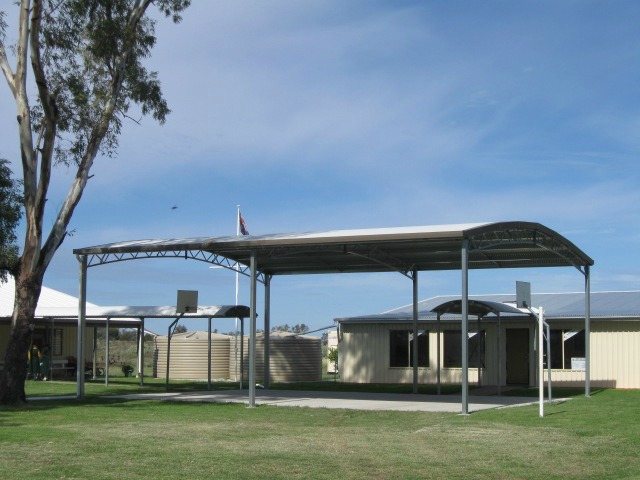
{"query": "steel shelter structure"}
(405, 250)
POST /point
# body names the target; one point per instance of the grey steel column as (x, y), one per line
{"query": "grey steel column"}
(95, 348)
(464, 336)
(479, 351)
(241, 353)
(209, 355)
(587, 331)
(498, 355)
(252, 334)
(141, 355)
(166, 382)
(415, 331)
(82, 314)
(438, 350)
(106, 355)
(267, 330)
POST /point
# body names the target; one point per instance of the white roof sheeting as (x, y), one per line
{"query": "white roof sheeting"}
(222, 311)
(55, 304)
(49, 298)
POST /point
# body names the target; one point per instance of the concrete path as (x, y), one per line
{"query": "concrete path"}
(347, 400)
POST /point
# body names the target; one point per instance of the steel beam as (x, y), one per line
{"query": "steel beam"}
(438, 351)
(587, 331)
(82, 314)
(209, 354)
(252, 333)
(267, 331)
(464, 336)
(106, 354)
(415, 331)
(141, 352)
(499, 372)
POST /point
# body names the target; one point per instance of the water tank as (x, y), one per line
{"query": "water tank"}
(293, 358)
(189, 356)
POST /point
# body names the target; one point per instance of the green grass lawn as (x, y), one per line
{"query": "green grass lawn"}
(103, 438)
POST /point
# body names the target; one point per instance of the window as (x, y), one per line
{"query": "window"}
(453, 349)
(401, 348)
(51, 338)
(565, 346)
(57, 341)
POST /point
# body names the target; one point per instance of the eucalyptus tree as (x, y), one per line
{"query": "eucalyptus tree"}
(75, 72)
(10, 214)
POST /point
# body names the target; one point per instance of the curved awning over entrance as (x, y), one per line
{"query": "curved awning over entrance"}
(479, 308)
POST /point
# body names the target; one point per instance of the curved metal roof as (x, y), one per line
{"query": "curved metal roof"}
(491, 245)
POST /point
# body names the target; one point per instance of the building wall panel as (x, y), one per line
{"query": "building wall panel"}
(615, 354)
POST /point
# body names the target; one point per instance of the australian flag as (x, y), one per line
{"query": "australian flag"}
(243, 226)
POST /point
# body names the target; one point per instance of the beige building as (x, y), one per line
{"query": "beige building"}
(379, 348)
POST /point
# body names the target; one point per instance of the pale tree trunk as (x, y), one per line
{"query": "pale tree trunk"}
(36, 164)
(14, 376)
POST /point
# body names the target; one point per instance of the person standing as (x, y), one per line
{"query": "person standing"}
(34, 361)
(45, 363)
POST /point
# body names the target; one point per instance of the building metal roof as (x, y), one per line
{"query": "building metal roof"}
(49, 298)
(557, 306)
(60, 306)
(404, 249)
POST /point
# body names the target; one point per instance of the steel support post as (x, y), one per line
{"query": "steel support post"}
(540, 360)
(267, 331)
(209, 354)
(499, 372)
(252, 333)
(479, 350)
(94, 356)
(169, 335)
(141, 353)
(587, 331)
(106, 354)
(438, 351)
(82, 313)
(548, 362)
(464, 327)
(241, 353)
(414, 358)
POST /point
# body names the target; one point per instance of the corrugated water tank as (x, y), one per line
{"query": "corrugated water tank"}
(293, 357)
(189, 355)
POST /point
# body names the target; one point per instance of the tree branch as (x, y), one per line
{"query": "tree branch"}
(6, 69)
(22, 103)
(48, 134)
(58, 231)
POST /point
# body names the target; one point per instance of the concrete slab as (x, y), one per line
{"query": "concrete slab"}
(345, 400)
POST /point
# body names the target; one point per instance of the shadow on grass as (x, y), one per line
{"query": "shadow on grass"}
(559, 392)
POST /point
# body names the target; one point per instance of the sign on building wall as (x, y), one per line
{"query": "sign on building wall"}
(578, 363)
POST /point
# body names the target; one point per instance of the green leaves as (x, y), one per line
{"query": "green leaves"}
(92, 53)
(10, 214)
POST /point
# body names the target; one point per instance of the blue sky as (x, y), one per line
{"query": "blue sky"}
(323, 115)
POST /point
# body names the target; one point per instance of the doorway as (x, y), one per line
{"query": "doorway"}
(517, 356)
